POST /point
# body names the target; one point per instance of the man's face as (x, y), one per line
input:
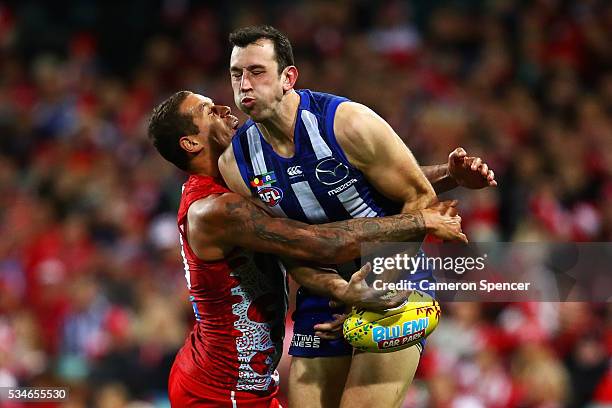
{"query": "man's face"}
(213, 121)
(255, 79)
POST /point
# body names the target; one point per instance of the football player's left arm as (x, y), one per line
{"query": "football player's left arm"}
(373, 147)
(326, 282)
(460, 170)
(356, 292)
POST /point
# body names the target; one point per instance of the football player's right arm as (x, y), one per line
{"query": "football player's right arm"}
(217, 224)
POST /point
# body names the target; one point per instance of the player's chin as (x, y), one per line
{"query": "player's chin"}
(224, 138)
(255, 114)
(227, 139)
(245, 109)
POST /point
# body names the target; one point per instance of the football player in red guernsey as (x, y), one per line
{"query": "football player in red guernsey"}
(230, 250)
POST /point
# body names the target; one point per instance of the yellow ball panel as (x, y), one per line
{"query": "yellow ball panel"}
(396, 328)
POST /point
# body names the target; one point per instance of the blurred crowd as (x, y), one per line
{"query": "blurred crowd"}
(92, 292)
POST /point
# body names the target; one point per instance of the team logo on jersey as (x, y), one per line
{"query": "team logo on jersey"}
(294, 171)
(330, 171)
(270, 195)
(263, 180)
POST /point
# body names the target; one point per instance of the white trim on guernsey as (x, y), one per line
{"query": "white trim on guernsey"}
(233, 399)
(275, 374)
(350, 198)
(312, 127)
(309, 203)
(182, 244)
(185, 262)
(256, 151)
(354, 204)
(281, 265)
(259, 162)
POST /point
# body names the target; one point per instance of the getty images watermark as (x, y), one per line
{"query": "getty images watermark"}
(422, 264)
(413, 263)
(494, 272)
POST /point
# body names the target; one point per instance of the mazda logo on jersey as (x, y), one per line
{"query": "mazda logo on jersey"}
(270, 195)
(330, 171)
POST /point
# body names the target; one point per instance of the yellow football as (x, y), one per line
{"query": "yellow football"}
(396, 328)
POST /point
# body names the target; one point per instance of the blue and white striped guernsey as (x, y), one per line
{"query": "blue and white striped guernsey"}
(317, 184)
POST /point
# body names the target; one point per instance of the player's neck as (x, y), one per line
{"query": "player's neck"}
(206, 165)
(278, 129)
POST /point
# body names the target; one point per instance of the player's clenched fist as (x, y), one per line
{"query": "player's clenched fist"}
(442, 220)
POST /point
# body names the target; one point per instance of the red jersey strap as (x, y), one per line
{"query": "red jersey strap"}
(195, 188)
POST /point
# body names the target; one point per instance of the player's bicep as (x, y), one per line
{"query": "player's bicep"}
(374, 148)
(399, 178)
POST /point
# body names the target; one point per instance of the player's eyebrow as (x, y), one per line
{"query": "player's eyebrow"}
(248, 68)
(201, 106)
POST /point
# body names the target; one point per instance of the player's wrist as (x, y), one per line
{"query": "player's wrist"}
(339, 290)
(446, 169)
(449, 177)
(429, 220)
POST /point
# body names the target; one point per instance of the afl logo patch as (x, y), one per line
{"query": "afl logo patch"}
(330, 171)
(270, 195)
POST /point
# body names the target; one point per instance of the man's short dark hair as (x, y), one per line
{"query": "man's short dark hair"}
(282, 47)
(166, 127)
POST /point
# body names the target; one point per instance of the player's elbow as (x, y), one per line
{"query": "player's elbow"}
(422, 197)
(427, 194)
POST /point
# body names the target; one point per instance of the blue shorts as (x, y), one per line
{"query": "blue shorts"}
(311, 309)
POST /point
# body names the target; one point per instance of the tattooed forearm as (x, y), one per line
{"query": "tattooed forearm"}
(402, 227)
(436, 172)
(254, 219)
(371, 227)
(264, 233)
(244, 224)
(439, 177)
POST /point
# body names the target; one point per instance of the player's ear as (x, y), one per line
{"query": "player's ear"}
(289, 77)
(190, 144)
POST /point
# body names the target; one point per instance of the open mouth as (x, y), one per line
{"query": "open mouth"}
(247, 101)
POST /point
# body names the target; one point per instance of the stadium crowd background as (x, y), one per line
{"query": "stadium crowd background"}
(92, 292)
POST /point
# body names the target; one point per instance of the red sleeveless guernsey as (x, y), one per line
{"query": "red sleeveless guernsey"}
(240, 305)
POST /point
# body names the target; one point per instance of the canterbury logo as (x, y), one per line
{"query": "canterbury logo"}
(294, 171)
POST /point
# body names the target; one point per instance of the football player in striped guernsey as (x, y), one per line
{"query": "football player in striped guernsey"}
(316, 158)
